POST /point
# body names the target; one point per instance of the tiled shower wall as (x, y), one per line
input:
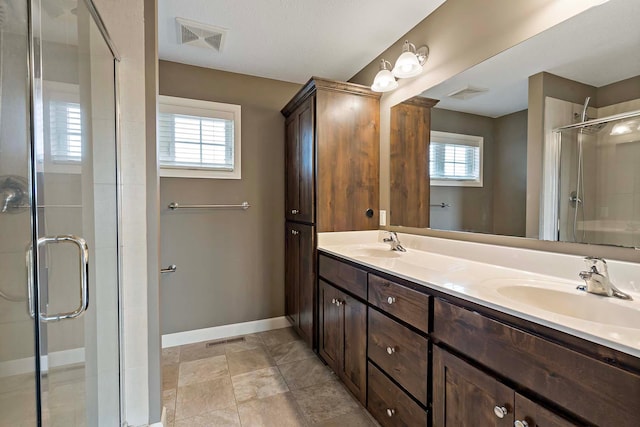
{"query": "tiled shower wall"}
(125, 22)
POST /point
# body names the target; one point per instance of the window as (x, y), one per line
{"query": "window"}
(198, 139)
(60, 149)
(65, 132)
(455, 159)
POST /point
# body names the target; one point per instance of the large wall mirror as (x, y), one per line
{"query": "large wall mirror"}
(540, 141)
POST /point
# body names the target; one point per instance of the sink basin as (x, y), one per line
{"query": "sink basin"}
(577, 304)
(375, 253)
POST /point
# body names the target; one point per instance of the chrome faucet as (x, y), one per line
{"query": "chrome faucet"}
(597, 281)
(394, 242)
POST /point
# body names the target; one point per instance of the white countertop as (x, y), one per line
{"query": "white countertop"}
(495, 276)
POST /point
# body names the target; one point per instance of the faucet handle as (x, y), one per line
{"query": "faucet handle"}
(596, 264)
(393, 237)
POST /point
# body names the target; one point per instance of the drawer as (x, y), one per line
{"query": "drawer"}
(400, 352)
(343, 276)
(390, 405)
(399, 301)
(600, 393)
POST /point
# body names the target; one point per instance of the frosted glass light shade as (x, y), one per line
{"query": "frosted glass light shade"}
(384, 81)
(407, 66)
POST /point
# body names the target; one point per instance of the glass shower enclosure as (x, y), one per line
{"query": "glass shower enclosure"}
(599, 181)
(59, 222)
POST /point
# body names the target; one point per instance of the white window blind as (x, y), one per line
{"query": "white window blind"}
(450, 161)
(455, 160)
(198, 138)
(65, 132)
(191, 141)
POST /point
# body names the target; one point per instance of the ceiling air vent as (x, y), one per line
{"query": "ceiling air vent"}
(467, 92)
(201, 35)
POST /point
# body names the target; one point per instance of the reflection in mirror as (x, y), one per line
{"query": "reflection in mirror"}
(519, 178)
(598, 181)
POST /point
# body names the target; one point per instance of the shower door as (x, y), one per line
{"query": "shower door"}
(59, 358)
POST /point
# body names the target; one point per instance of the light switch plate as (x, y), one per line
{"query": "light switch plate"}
(383, 218)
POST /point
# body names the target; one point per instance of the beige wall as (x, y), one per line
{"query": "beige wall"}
(230, 263)
(471, 207)
(622, 91)
(498, 207)
(510, 174)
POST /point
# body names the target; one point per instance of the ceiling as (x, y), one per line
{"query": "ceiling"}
(597, 47)
(291, 40)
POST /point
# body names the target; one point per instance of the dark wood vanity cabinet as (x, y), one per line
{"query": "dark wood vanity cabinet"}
(300, 278)
(436, 360)
(581, 387)
(384, 362)
(464, 396)
(332, 141)
(342, 340)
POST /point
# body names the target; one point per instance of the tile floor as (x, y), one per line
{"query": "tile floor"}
(267, 379)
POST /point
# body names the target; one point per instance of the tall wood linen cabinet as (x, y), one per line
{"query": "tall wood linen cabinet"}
(332, 157)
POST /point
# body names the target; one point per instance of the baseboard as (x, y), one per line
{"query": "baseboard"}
(52, 360)
(225, 331)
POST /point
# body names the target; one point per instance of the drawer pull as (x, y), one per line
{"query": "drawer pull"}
(500, 411)
(391, 350)
(391, 300)
(337, 302)
(522, 423)
(295, 232)
(333, 301)
(390, 412)
(294, 211)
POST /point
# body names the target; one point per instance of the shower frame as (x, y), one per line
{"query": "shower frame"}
(550, 221)
(35, 105)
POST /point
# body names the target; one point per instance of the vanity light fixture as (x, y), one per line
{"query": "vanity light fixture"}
(384, 80)
(409, 63)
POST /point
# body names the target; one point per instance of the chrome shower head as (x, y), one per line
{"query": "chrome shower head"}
(583, 116)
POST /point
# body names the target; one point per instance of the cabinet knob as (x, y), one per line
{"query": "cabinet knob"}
(294, 211)
(390, 412)
(339, 302)
(522, 423)
(333, 300)
(500, 411)
(391, 300)
(391, 350)
(295, 232)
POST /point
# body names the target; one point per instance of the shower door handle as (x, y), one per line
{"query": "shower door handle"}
(83, 250)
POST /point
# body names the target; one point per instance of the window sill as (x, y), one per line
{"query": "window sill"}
(199, 173)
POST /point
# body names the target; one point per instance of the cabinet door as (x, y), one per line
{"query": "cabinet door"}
(466, 396)
(355, 347)
(299, 163)
(306, 281)
(331, 326)
(291, 168)
(348, 150)
(292, 272)
(306, 160)
(530, 414)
